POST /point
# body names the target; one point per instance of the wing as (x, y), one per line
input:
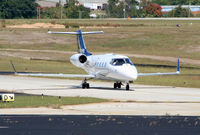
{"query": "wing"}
(56, 75)
(155, 74)
(51, 75)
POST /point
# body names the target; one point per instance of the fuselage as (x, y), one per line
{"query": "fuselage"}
(108, 67)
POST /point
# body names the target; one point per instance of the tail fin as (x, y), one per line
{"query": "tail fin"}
(178, 67)
(81, 44)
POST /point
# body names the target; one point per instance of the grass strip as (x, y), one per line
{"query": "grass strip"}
(23, 101)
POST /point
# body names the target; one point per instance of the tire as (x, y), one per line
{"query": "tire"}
(87, 85)
(115, 85)
(83, 86)
(127, 87)
(119, 85)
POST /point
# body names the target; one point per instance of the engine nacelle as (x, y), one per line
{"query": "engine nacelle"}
(78, 59)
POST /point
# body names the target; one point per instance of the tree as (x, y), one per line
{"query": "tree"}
(154, 10)
(51, 13)
(131, 2)
(117, 8)
(176, 2)
(180, 12)
(10, 9)
(111, 9)
(131, 9)
(161, 2)
(144, 3)
(75, 10)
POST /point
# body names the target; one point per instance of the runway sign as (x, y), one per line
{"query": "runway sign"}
(7, 97)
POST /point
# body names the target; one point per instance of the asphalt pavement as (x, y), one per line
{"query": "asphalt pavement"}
(140, 100)
(98, 125)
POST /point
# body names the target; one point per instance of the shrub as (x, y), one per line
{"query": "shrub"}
(198, 15)
(66, 26)
(53, 22)
(180, 12)
(154, 9)
(75, 26)
(3, 23)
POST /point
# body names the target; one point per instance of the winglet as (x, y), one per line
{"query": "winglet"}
(13, 67)
(178, 67)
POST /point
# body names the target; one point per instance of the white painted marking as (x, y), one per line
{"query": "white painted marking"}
(4, 127)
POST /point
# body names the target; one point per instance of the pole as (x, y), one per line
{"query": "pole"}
(189, 8)
(39, 12)
(61, 9)
(80, 14)
(124, 10)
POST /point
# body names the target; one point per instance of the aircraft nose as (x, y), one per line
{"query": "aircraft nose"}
(128, 73)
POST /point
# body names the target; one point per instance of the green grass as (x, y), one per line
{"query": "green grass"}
(149, 37)
(152, 38)
(101, 21)
(189, 77)
(48, 101)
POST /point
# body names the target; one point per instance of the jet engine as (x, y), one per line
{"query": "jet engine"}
(78, 59)
(82, 58)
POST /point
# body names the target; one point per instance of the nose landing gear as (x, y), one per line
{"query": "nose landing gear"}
(127, 86)
(85, 84)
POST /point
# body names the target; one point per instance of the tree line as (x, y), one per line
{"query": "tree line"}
(131, 8)
(177, 2)
(11, 9)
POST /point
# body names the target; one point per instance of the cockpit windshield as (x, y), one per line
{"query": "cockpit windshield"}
(120, 61)
(128, 61)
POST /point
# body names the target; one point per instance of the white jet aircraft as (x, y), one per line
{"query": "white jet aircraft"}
(113, 67)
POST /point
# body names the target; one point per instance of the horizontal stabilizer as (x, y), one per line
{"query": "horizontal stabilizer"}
(76, 33)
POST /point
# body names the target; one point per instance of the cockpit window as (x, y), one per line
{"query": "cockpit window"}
(128, 61)
(118, 62)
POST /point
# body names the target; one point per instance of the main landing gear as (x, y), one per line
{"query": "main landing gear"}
(85, 84)
(119, 84)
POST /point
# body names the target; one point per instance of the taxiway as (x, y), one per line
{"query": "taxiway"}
(140, 100)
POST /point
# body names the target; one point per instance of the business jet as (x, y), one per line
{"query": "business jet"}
(112, 67)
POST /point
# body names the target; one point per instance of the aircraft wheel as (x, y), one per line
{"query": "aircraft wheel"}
(115, 85)
(119, 85)
(87, 85)
(127, 87)
(83, 86)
